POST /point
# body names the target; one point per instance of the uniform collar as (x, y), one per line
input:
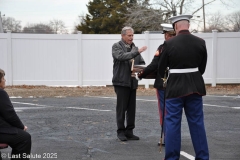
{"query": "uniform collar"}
(184, 32)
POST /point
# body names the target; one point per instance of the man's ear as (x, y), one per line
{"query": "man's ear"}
(165, 36)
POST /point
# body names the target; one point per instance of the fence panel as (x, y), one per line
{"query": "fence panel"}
(228, 56)
(84, 59)
(3, 51)
(44, 60)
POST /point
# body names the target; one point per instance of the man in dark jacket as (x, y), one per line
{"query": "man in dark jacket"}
(124, 52)
(168, 32)
(186, 57)
(12, 130)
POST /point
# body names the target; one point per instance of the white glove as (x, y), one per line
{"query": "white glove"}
(136, 76)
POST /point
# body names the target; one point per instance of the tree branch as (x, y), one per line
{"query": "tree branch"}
(202, 6)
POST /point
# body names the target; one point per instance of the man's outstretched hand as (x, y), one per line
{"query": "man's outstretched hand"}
(144, 48)
(25, 128)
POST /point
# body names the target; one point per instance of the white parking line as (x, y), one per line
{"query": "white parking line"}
(223, 96)
(212, 105)
(221, 106)
(32, 104)
(187, 155)
(90, 109)
(236, 107)
(22, 108)
(15, 97)
(147, 100)
(102, 97)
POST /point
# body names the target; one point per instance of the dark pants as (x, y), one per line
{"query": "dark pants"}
(193, 108)
(161, 107)
(126, 104)
(20, 143)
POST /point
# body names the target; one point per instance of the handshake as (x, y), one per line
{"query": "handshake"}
(137, 71)
(137, 75)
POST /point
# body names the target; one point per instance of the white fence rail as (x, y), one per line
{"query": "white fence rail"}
(83, 59)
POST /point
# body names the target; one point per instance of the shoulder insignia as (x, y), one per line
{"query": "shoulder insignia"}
(157, 53)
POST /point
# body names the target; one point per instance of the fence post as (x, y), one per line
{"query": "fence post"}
(9, 72)
(214, 58)
(80, 65)
(147, 52)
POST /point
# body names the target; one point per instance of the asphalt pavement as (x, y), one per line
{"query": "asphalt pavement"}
(84, 128)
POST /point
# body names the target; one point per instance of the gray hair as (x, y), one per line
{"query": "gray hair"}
(2, 74)
(125, 29)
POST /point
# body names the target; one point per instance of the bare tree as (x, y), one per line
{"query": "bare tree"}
(79, 20)
(11, 24)
(196, 24)
(233, 22)
(187, 6)
(38, 28)
(146, 15)
(215, 22)
(143, 16)
(58, 26)
(173, 5)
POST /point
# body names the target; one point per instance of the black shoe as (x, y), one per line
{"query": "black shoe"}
(163, 144)
(122, 137)
(131, 137)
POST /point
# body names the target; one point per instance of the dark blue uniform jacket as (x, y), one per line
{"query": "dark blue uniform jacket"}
(152, 67)
(181, 52)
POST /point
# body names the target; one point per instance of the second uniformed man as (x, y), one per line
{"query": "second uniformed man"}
(186, 57)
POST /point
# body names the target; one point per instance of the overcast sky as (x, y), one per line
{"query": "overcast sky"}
(36, 11)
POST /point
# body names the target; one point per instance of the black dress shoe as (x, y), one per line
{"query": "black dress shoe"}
(131, 137)
(122, 137)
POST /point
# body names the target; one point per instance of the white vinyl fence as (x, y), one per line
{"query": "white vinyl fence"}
(85, 59)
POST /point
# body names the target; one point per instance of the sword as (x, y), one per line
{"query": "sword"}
(163, 115)
(165, 78)
(132, 60)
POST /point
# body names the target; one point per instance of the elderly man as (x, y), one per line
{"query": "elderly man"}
(168, 32)
(186, 57)
(124, 52)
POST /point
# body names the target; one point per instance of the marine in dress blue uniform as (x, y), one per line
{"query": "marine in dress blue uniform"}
(168, 32)
(186, 57)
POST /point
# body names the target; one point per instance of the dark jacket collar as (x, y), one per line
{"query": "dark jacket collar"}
(184, 32)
